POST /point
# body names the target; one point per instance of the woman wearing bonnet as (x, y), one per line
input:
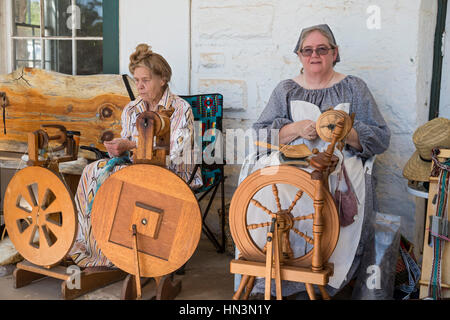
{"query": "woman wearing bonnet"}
(292, 110)
(152, 75)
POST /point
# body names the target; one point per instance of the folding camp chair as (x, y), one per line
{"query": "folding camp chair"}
(208, 108)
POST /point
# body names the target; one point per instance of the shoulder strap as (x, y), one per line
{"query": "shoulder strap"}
(127, 85)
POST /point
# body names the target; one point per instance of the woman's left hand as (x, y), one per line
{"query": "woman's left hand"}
(353, 140)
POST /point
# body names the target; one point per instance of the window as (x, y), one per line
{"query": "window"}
(66, 36)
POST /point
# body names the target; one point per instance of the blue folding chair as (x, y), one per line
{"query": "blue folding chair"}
(208, 108)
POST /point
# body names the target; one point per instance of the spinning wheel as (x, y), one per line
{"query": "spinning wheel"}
(281, 263)
(163, 209)
(40, 216)
(240, 229)
(41, 219)
(145, 218)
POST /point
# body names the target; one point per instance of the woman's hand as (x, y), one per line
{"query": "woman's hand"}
(353, 140)
(307, 129)
(119, 146)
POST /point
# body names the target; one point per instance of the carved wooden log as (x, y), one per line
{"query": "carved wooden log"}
(89, 104)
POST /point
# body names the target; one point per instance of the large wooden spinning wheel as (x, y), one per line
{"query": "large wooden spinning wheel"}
(40, 215)
(163, 209)
(273, 176)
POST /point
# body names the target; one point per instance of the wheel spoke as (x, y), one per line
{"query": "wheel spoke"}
(53, 207)
(49, 236)
(297, 197)
(308, 217)
(301, 234)
(18, 213)
(259, 205)
(57, 230)
(259, 225)
(277, 198)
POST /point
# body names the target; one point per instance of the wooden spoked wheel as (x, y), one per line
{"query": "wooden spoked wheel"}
(40, 216)
(273, 176)
(163, 208)
(328, 121)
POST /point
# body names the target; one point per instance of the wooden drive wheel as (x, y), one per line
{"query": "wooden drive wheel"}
(40, 216)
(163, 209)
(271, 176)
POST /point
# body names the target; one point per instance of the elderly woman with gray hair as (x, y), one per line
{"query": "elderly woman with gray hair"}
(293, 108)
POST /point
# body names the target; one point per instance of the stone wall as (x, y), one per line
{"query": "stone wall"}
(243, 50)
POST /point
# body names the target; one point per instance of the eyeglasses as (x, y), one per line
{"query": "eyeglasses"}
(321, 51)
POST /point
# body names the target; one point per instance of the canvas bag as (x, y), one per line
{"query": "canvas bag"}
(346, 201)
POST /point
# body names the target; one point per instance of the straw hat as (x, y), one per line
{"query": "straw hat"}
(434, 133)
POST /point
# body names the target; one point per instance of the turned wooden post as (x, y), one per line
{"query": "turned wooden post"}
(324, 163)
(318, 227)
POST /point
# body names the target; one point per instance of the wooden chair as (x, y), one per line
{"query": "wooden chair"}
(276, 260)
(208, 109)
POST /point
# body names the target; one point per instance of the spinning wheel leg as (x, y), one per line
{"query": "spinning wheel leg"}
(167, 289)
(129, 291)
(324, 293)
(244, 281)
(310, 290)
(23, 278)
(249, 288)
(90, 282)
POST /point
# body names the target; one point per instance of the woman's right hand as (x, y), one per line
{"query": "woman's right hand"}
(307, 129)
(118, 146)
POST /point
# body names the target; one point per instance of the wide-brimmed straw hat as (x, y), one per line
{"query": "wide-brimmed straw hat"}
(433, 134)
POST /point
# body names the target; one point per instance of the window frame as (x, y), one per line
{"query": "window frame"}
(109, 38)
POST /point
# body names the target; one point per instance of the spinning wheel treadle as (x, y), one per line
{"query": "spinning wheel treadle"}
(243, 198)
(163, 209)
(37, 202)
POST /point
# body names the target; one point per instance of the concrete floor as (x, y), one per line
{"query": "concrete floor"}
(207, 277)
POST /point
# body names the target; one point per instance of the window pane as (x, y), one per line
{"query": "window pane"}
(58, 55)
(26, 18)
(89, 57)
(58, 18)
(27, 53)
(91, 12)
